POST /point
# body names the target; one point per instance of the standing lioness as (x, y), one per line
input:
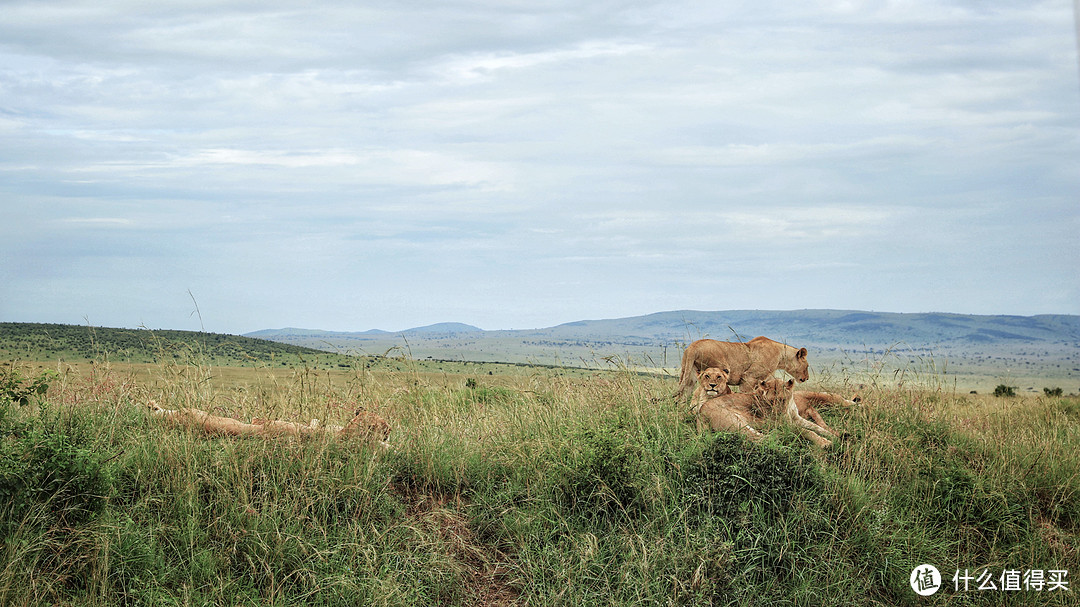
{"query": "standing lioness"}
(747, 363)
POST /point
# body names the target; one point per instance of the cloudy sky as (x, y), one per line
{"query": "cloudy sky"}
(510, 164)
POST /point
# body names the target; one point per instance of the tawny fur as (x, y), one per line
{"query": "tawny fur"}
(368, 425)
(712, 382)
(747, 363)
(745, 412)
(738, 412)
(808, 428)
(365, 424)
(808, 402)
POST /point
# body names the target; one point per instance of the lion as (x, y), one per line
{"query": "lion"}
(747, 363)
(744, 412)
(735, 411)
(712, 382)
(809, 429)
(807, 402)
(367, 425)
(364, 425)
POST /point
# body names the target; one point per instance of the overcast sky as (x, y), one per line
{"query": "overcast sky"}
(513, 164)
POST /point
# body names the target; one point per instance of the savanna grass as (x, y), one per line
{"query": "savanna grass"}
(541, 490)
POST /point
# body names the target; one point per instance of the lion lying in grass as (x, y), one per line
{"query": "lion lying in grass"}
(743, 412)
(712, 382)
(365, 424)
(717, 407)
(807, 402)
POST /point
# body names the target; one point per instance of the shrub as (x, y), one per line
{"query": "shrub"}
(606, 476)
(53, 467)
(15, 388)
(1003, 390)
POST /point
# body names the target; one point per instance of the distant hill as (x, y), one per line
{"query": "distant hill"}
(292, 333)
(816, 327)
(1026, 351)
(998, 346)
(833, 327)
(444, 328)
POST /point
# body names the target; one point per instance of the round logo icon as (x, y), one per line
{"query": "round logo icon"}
(925, 580)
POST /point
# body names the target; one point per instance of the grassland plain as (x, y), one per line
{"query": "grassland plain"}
(535, 486)
(970, 352)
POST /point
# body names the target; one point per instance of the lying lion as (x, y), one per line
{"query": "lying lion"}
(807, 402)
(743, 412)
(365, 424)
(716, 406)
(712, 382)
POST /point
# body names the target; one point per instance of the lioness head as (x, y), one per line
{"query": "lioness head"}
(368, 424)
(800, 370)
(713, 381)
(775, 390)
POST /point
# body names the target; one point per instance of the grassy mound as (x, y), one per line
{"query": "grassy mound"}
(542, 490)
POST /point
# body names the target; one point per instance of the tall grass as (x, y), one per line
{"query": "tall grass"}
(540, 490)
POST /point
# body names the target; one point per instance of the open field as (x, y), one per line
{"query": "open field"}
(968, 352)
(1028, 368)
(1047, 356)
(525, 486)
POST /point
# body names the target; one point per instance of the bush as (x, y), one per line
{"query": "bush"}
(15, 388)
(606, 476)
(1003, 390)
(1053, 391)
(51, 467)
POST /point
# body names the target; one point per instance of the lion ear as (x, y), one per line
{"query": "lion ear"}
(790, 383)
(801, 354)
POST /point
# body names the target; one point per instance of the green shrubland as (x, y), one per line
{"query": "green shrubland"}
(537, 489)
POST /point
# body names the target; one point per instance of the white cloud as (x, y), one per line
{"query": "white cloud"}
(778, 155)
(530, 146)
(483, 67)
(801, 225)
(99, 221)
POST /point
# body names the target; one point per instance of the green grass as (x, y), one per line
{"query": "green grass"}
(35, 341)
(539, 489)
